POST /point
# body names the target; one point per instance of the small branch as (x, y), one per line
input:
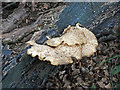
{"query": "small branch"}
(111, 82)
(19, 33)
(9, 23)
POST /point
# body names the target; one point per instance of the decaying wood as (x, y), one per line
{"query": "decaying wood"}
(26, 63)
(9, 23)
(19, 33)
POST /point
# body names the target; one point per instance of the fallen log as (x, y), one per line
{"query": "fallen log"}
(29, 72)
(21, 64)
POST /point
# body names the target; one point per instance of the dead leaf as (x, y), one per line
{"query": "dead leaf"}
(108, 86)
(45, 6)
(101, 84)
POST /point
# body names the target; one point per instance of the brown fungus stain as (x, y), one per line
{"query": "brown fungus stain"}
(75, 42)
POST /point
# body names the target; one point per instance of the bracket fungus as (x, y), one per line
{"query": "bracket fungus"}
(75, 42)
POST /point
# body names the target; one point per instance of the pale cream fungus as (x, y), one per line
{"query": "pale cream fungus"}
(75, 42)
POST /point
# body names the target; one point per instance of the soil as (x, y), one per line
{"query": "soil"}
(84, 73)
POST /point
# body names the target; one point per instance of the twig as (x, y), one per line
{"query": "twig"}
(19, 33)
(9, 23)
(111, 82)
(38, 19)
(7, 6)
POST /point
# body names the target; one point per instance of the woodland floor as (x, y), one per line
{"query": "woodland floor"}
(94, 72)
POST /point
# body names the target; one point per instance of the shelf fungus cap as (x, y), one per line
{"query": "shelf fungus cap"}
(71, 36)
(54, 42)
(55, 55)
(89, 48)
(75, 42)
